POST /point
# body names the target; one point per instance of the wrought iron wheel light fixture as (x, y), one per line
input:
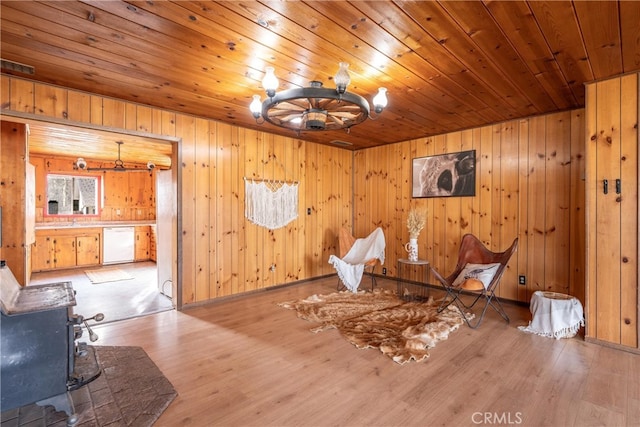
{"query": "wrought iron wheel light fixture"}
(315, 107)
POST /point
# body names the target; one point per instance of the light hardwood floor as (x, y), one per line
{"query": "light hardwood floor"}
(247, 362)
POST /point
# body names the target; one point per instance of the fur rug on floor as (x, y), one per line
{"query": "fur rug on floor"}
(401, 330)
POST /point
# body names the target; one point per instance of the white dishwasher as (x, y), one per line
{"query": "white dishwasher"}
(118, 245)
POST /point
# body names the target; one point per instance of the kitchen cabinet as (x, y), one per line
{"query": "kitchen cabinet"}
(42, 253)
(64, 251)
(142, 243)
(129, 196)
(61, 248)
(88, 250)
(116, 193)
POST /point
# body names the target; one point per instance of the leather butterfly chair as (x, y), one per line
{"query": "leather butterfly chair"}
(472, 251)
(345, 242)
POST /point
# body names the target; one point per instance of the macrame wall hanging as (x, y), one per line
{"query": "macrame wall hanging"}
(270, 204)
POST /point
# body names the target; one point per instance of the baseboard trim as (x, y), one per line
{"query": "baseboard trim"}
(612, 345)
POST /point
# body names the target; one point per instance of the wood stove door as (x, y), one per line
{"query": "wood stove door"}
(35, 361)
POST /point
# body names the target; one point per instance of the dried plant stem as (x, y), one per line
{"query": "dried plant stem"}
(415, 223)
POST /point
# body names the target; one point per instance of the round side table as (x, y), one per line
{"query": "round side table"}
(421, 289)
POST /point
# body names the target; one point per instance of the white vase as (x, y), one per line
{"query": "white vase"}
(412, 249)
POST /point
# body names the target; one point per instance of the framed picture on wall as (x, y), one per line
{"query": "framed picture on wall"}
(445, 175)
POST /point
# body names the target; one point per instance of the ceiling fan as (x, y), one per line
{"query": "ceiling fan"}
(118, 164)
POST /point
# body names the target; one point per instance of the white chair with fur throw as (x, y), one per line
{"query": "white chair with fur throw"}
(355, 256)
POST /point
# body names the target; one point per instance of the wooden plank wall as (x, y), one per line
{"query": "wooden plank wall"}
(15, 249)
(529, 184)
(222, 253)
(128, 196)
(612, 224)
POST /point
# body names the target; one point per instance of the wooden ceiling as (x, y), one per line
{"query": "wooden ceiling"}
(98, 145)
(447, 65)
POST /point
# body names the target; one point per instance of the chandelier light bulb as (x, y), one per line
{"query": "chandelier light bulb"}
(256, 106)
(270, 82)
(342, 78)
(380, 100)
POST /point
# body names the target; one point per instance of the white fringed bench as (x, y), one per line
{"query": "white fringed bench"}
(555, 315)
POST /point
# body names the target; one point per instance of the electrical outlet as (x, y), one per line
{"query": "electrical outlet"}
(384, 271)
(522, 280)
(308, 211)
(272, 268)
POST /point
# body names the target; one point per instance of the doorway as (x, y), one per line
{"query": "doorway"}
(151, 289)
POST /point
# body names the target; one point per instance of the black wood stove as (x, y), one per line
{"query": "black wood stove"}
(39, 349)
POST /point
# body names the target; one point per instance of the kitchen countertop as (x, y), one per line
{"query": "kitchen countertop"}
(102, 224)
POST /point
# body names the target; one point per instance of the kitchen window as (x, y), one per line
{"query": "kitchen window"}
(70, 195)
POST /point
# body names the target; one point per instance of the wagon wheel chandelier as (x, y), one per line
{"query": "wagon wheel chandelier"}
(314, 108)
